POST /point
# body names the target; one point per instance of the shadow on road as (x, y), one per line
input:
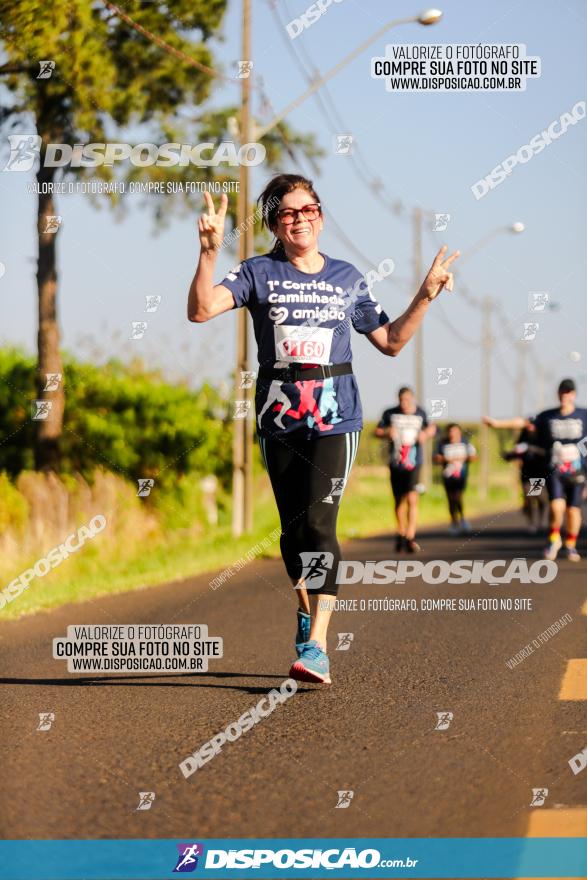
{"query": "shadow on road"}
(154, 681)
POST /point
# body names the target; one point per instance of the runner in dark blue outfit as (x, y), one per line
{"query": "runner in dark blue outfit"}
(308, 411)
(562, 433)
(407, 429)
(532, 462)
(558, 438)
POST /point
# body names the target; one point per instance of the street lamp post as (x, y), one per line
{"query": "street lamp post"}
(430, 16)
(486, 353)
(513, 228)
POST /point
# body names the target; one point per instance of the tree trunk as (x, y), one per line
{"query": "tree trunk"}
(49, 428)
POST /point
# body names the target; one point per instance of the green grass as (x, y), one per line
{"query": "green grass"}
(371, 509)
(366, 509)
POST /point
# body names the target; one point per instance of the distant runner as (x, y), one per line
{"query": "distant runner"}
(303, 304)
(533, 467)
(562, 433)
(455, 453)
(407, 428)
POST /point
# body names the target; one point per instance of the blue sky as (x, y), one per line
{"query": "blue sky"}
(427, 148)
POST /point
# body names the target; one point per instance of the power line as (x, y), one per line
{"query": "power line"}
(372, 181)
(297, 157)
(171, 50)
(377, 187)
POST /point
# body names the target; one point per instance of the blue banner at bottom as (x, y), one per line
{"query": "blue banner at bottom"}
(227, 859)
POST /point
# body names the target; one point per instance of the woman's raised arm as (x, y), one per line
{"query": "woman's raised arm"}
(206, 299)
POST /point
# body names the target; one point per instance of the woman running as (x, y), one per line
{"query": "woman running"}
(303, 304)
(455, 453)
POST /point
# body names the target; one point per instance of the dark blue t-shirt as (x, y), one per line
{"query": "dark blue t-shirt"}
(456, 458)
(561, 437)
(305, 318)
(405, 453)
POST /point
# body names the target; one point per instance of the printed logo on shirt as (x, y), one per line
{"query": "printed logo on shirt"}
(566, 457)
(408, 427)
(456, 455)
(303, 345)
(278, 315)
(566, 429)
(328, 302)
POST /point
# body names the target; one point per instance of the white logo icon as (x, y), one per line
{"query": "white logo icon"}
(24, 149)
(247, 378)
(46, 68)
(539, 795)
(244, 69)
(152, 303)
(145, 485)
(241, 409)
(529, 332)
(441, 221)
(437, 407)
(52, 381)
(344, 641)
(537, 301)
(344, 799)
(338, 484)
(444, 719)
(278, 314)
(443, 374)
(46, 719)
(343, 145)
(52, 223)
(41, 410)
(138, 329)
(146, 799)
(315, 566)
(536, 486)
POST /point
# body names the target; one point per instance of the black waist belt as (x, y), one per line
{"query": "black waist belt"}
(295, 373)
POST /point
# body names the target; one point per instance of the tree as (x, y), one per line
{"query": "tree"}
(103, 75)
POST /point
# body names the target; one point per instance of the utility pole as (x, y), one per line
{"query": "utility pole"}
(520, 378)
(540, 388)
(242, 471)
(486, 354)
(419, 343)
(419, 340)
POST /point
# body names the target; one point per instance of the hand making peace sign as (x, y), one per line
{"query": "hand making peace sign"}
(211, 224)
(439, 276)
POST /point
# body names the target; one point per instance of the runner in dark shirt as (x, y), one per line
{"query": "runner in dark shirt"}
(532, 463)
(562, 433)
(407, 428)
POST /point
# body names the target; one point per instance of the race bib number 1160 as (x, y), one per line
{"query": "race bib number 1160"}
(303, 345)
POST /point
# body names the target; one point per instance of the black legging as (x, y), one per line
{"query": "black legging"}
(308, 478)
(454, 488)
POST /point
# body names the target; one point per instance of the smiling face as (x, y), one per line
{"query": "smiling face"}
(301, 235)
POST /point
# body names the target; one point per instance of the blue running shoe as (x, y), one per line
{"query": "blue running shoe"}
(312, 665)
(303, 633)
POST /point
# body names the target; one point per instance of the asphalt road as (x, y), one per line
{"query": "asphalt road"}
(372, 732)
